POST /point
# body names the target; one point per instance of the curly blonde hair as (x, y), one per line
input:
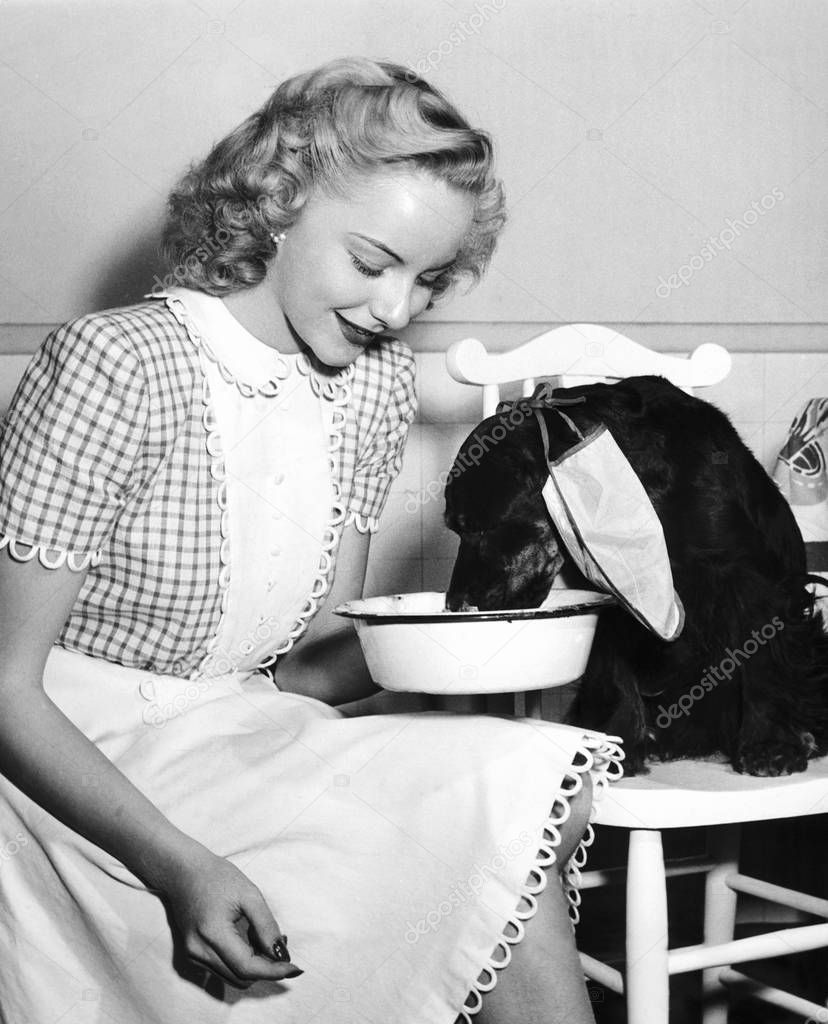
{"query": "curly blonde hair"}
(350, 116)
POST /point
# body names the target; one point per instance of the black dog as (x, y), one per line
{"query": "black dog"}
(748, 676)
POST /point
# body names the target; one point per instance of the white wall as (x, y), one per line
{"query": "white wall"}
(630, 132)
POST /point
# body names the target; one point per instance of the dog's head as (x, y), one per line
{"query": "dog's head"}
(510, 553)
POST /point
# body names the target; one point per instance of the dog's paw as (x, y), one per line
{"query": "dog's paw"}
(772, 758)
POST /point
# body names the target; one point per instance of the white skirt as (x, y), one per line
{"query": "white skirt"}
(401, 854)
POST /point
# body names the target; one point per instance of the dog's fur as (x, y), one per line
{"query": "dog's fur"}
(738, 564)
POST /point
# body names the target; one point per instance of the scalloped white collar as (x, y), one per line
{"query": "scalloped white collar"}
(245, 356)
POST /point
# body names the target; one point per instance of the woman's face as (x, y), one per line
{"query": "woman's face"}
(350, 269)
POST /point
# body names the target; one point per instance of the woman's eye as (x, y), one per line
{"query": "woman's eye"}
(363, 268)
(369, 271)
(429, 282)
(435, 281)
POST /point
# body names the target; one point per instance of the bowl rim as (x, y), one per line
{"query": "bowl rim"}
(601, 600)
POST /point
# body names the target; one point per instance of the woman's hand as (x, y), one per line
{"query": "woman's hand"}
(47, 756)
(225, 923)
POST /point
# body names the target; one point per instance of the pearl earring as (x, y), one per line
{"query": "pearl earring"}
(276, 239)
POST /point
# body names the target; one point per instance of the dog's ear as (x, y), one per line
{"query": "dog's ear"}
(503, 407)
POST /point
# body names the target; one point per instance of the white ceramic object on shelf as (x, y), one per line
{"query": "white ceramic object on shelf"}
(412, 644)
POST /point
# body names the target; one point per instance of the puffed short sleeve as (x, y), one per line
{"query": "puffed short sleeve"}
(70, 440)
(386, 407)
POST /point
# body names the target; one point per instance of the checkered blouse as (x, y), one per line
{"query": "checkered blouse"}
(103, 457)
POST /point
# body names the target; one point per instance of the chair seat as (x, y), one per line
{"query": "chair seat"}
(685, 793)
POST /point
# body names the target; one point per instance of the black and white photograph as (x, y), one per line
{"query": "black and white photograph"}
(413, 512)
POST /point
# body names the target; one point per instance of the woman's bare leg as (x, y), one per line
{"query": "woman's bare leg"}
(544, 983)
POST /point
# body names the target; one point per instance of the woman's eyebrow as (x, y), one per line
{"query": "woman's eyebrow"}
(392, 254)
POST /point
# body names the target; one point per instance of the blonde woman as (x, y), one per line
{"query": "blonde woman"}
(188, 486)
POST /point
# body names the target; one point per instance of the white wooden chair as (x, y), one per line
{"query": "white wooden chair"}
(680, 794)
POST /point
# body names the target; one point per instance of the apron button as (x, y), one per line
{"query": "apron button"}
(147, 689)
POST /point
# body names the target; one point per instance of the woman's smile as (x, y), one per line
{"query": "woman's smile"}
(353, 333)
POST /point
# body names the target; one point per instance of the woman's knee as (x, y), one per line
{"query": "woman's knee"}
(572, 830)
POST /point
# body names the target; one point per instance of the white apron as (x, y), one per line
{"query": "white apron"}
(401, 854)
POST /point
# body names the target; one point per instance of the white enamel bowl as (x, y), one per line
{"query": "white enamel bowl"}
(411, 644)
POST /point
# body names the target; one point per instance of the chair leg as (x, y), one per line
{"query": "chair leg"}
(534, 704)
(719, 914)
(647, 982)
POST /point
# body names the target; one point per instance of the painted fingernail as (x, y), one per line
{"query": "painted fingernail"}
(280, 950)
(294, 972)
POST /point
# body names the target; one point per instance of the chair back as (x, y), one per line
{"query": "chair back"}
(580, 354)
